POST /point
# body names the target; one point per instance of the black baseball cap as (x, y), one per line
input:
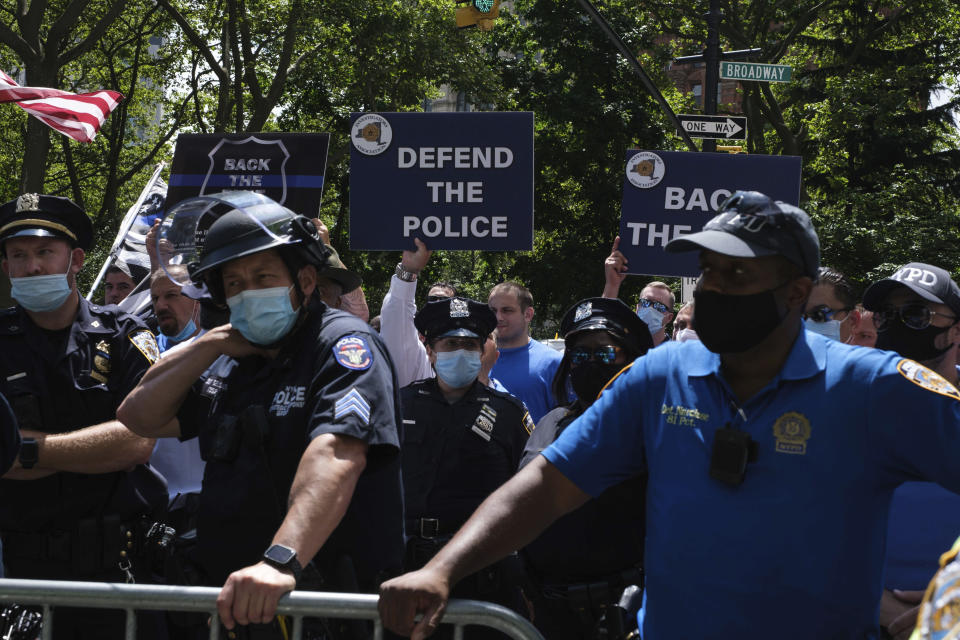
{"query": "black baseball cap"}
(607, 314)
(455, 317)
(750, 224)
(38, 215)
(927, 281)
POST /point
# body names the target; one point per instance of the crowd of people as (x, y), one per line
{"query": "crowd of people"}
(773, 458)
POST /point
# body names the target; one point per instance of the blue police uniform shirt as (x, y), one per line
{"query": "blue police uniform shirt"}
(527, 372)
(924, 520)
(797, 550)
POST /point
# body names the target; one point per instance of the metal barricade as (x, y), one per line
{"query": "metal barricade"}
(130, 597)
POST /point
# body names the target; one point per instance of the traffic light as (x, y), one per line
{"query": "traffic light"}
(478, 13)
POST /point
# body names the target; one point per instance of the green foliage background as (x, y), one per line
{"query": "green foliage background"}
(881, 168)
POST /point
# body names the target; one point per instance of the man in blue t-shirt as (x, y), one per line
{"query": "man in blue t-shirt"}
(771, 453)
(526, 367)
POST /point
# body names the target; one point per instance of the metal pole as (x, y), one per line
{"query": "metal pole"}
(712, 59)
(644, 78)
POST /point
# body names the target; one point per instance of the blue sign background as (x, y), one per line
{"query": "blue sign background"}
(686, 198)
(382, 194)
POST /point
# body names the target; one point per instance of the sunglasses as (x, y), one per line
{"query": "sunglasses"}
(915, 315)
(606, 355)
(644, 303)
(437, 298)
(823, 313)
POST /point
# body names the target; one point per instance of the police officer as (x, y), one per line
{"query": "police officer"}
(71, 507)
(297, 420)
(461, 441)
(771, 453)
(583, 562)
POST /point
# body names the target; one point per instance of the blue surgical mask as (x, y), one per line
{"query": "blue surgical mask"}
(188, 330)
(262, 316)
(652, 318)
(458, 368)
(828, 329)
(41, 293)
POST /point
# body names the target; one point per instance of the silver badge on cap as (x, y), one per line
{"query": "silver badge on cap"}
(28, 202)
(459, 309)
(583, 311)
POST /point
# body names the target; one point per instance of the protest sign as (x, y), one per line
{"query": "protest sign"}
(456, 180)
(671, 193)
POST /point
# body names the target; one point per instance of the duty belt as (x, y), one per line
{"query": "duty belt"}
(602, 592)
(430, 528)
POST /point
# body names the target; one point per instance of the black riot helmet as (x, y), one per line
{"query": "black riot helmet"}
(206, 232)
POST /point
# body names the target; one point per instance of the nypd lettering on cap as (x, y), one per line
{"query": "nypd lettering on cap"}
(583, 311)
(353, 353)
(913, 274)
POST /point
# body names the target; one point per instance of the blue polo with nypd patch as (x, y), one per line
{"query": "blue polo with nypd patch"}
(797, 550)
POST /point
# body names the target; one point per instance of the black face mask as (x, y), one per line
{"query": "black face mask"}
(916, 344)
(733, 324)
(588, 378)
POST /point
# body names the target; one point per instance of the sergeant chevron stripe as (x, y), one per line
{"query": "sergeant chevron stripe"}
(352, 402)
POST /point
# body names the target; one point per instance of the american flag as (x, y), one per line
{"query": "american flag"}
(77, 115)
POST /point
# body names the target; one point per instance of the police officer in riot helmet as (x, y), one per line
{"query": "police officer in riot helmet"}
(297, 419)
(575, 590)
(79, 500)
(461, 441)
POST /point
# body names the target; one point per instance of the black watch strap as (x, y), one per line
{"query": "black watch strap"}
(283, 557)
(29, 453)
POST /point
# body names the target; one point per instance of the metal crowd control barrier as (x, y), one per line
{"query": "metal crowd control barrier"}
(130, 597)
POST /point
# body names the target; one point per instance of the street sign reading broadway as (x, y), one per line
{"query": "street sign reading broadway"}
(667, 194)
(715, 127)
(755, 71)
(460, 180)
(287, 167)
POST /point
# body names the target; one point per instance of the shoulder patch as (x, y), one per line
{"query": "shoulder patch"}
(926, 378)
(353, 353)
(146, 343)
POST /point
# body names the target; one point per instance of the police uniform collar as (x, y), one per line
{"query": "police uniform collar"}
(805, 360)
(475, 389)
(86, 320)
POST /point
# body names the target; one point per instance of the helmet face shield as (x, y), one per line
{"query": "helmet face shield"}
(255, 223)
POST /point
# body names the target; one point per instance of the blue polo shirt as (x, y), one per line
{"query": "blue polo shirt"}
(797, 550)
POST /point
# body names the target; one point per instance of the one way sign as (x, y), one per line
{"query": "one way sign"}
(718, 127)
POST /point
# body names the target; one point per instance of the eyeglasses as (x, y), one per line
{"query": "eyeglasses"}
(915, 315)
(822, 313)
(437, 298)
(644, 303)
(606, 355)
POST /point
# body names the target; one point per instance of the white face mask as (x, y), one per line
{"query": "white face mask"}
(828, 328)
(685, 335)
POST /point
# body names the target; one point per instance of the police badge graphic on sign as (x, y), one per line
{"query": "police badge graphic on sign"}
(251, 164)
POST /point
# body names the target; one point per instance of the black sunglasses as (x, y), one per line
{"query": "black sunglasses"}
(659, 306)
(915, 315)
(606, 355)
(822, 313)
(437, 298)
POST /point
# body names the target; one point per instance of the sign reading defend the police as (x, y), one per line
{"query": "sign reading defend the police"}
(667, 194)
(287, 167)
(455, 180)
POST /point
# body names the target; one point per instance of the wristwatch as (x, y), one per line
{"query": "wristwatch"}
(29, 453)
(403, 274)
(283, 557)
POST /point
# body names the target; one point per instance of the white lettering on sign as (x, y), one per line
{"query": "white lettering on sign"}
(246, 164)
(454, 157)
(246, 181)
(656, 234)
(454, 191)
(675, 199)
(453, 227)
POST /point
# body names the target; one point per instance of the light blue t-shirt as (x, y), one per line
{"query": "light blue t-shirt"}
(527, 373)
(797, 550)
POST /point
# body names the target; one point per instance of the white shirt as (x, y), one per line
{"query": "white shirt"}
(400, 335)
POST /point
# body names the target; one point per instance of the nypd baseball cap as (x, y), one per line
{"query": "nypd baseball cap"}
(38, 215)
(927, 281)
(750, 224)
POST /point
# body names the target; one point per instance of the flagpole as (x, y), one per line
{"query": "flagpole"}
(128, 221)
